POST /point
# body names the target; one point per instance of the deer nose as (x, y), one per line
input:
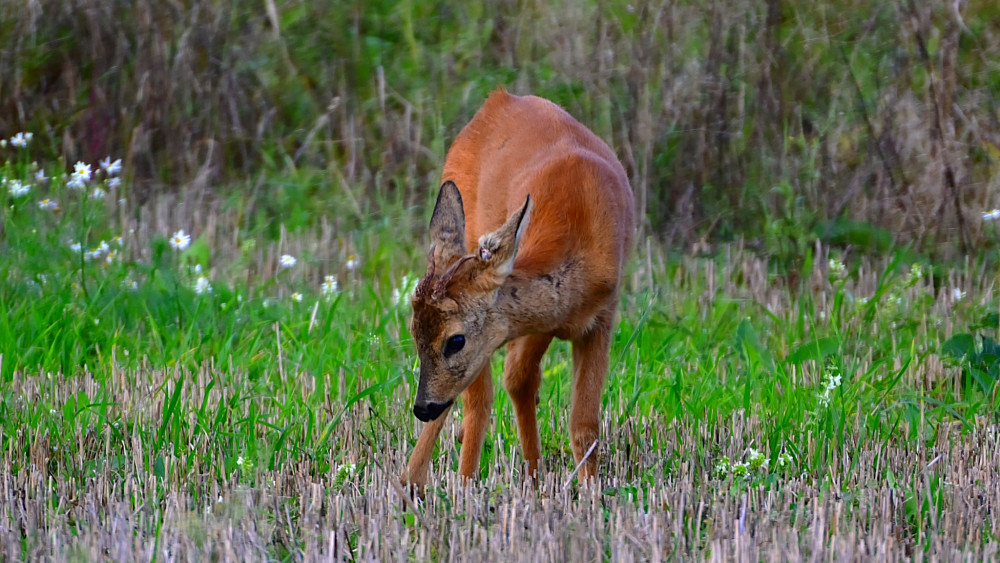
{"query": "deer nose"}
(427, 412)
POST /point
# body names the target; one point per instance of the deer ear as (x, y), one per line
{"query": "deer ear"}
(447, 228)
(497, 250)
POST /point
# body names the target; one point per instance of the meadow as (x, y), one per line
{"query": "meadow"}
(209, 235)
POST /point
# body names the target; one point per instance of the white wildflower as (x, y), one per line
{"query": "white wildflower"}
(722, 468)
(75, 246)
(17, 189)
(287, 260)
(991, 215)
(329, 285)
(957, 294)
(111, 168)
(40, 176)
(352, 262)
(180, 240)
(20, 140)
(297, 297)
(741, 469)
(202, 285)
(98, 193)
(82, 172)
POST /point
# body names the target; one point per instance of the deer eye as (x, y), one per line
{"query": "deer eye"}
(454, 345)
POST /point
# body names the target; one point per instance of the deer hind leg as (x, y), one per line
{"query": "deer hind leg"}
(477, 405)
(522, 377)
(590, 367)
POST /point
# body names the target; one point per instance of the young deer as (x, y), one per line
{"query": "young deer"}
(529, 237)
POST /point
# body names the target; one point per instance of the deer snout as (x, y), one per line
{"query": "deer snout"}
(427, 412)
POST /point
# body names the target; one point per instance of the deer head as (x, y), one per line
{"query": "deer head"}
(455, 324)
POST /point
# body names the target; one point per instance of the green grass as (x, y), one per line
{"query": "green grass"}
(731, 376)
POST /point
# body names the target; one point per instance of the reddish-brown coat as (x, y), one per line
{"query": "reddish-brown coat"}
(567, 268)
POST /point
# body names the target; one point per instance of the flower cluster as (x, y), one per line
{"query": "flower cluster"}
(756, 463)
(831, 381)
(102, 250)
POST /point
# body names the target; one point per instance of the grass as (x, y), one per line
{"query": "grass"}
(836, 410)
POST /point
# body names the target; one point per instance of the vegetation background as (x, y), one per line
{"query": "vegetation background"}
(782, 118)
(806, 364)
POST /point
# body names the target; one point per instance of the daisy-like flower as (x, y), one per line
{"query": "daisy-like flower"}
(991, 215)
(114, 183)
(202, 285)
(75, 246)
(118, 241)
(40, 177)
(110, 257)
(329, 285)
(17, 189)
(111, 168)
(297, 297)
(180, 240)
(352, 262)
(93, 254)
(82, 172)
(957, 294)
(98, 193)
(20, 140)
(287, 260)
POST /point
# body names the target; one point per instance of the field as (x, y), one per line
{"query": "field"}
(204, 351)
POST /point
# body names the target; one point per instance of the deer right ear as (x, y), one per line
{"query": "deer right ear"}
(448, 223)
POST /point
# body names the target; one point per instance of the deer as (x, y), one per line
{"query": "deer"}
(529, 235)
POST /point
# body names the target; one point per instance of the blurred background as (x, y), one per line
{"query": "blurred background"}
(862, 123)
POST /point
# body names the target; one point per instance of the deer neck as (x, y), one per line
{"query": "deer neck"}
(532, 303)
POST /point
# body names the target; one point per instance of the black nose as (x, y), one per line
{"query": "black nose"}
(427, 412)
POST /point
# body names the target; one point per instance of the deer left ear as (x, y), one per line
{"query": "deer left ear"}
(497, 250)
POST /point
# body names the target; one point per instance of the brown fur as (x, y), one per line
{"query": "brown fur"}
(548, 221)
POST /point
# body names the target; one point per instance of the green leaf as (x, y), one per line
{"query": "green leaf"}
(960, 346)
(816, 349)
